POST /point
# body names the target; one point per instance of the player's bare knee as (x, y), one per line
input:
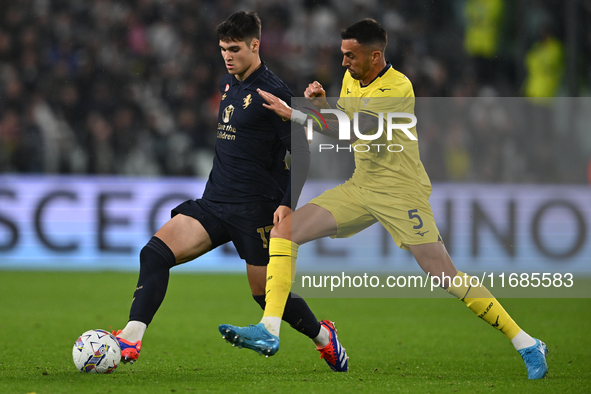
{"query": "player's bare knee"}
(281, 230)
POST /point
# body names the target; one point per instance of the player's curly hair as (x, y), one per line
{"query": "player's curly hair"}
(240, 26)
(367, 32)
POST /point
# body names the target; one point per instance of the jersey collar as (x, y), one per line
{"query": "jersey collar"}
(388, 65)
(251, 78)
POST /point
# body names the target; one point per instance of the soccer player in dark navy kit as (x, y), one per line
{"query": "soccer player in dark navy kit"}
(249, 190)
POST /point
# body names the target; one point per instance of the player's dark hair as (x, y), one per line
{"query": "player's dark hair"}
(367, 32)
(240, 26)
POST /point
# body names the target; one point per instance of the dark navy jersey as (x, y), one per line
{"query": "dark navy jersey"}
(249, 162)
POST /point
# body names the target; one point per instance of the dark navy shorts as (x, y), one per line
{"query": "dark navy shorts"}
(247, 225)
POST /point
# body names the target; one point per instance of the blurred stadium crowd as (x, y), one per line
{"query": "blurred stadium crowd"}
(130, 86)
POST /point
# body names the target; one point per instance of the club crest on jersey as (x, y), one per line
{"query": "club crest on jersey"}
(227, 114)
(227, 87)
(247, 101)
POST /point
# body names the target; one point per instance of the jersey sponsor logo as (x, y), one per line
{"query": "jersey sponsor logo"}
(348, 91)
(422, 234)
(383, 89)
(227, 87)
(227, 114)
(247, 100)
(226, 131)
(224, 96)
(226, 136)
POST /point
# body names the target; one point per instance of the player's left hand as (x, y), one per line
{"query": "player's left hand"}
(276, 105)
(280, 213)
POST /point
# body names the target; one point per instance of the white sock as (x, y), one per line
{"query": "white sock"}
(133, 331)
(323, 338)
(522, 340)
(272, 324)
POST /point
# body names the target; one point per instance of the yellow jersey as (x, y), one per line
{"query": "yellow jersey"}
(382, 165)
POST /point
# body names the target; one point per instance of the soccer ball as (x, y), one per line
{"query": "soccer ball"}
(96, 351)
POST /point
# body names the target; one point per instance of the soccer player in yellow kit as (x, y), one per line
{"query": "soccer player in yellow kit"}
(387, 187)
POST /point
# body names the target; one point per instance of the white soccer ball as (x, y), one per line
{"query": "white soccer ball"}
(96, 351)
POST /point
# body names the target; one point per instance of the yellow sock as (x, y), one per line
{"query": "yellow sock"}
(482, 302)
(280, 273)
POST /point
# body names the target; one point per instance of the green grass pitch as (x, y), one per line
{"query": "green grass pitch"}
(394, 345)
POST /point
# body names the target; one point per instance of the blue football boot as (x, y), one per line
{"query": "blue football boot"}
(535, 360)
(256, 338)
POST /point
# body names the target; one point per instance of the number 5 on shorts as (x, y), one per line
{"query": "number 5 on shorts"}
(412, 215)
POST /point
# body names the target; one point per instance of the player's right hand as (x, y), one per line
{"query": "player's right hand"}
(316, 94)
(314, 89)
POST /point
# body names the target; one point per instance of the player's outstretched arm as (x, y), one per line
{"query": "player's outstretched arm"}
(275, 104)
(315, 90)
(281, 108)
(314, 93)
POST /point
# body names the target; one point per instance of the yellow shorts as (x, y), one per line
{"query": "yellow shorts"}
(407, 218)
